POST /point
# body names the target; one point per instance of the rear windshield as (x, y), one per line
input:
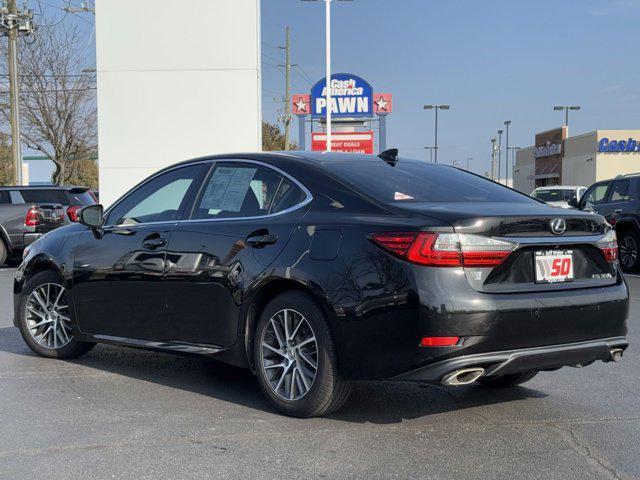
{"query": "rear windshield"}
(44, 196)
(412, 181)
(81, 198)
(555, 195)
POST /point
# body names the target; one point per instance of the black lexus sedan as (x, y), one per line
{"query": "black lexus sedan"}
(315, 270)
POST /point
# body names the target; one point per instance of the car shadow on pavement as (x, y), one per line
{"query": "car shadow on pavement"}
(370, 402)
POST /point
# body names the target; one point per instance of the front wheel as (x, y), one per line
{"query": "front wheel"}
(295, 358)
(508, 380)
(629, 244)
(44, 318)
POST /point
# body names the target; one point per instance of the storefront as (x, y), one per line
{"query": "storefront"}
(557, 159)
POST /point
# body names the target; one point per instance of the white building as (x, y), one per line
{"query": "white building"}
(175, 81)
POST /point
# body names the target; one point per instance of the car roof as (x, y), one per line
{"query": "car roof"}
(43, 187)
(560, 187)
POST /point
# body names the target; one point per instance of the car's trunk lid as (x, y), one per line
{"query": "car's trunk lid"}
(529, 227)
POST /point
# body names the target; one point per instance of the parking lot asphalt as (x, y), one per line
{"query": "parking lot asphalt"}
(124, 413)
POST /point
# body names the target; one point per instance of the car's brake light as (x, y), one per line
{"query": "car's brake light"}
(445, 249)
(609, 246)
(439, 341)
(33, 217)
(72, 212)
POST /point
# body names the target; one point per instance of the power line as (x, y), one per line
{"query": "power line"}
(59, 90)
(304, 74)
(277, 60)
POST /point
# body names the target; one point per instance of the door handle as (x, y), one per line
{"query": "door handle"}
(119, 230)
(259, 241)
(154, 243)
(617, 210)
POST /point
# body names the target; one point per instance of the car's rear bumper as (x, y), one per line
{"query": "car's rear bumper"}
(512, 361)
(29, 238)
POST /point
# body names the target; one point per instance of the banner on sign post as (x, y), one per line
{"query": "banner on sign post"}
(354, 142)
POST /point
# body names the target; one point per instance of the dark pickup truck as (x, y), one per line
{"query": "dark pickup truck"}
(27, 213)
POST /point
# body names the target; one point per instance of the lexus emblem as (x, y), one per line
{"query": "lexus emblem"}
(558, 226)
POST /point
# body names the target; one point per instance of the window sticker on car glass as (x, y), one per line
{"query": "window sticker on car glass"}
(227, 188)
(402, 196)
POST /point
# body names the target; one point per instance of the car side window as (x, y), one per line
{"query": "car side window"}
(4, 197)
(161, 199)
(16, 198)
(238, 190)
(620, 191)
(596, 194)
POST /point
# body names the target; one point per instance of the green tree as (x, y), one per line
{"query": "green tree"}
(273, 138)
(83, 173)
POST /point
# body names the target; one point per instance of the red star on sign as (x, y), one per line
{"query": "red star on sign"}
(382, 103)
(301, 104)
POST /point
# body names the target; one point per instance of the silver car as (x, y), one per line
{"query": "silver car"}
(558, 195)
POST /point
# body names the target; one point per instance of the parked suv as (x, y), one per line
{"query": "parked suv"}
(26, 213)
(618, 201)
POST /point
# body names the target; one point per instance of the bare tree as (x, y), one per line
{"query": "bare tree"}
(57, 100)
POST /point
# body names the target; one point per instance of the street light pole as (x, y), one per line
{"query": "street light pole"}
(327, 15)
(430, 153)
(506, 162)
(493, 158)
(566, 109)
(513, 163)
(499, 153)
(436, 108)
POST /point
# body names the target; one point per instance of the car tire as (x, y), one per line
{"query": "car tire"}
(3, 252)
(55, 337)
(629, 247)
(508, 380)
(294, 322)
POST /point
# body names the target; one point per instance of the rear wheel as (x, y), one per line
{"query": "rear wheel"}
(44, 318)
(628, 244)
(508, 380)
(3, 252)
(295, 358)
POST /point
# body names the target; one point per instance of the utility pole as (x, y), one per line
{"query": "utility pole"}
(287, 117)
(468, 158)
(12, 25)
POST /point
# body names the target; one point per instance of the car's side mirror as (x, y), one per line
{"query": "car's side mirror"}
(573, 202)
(92, 216)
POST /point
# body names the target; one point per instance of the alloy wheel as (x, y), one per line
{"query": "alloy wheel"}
(47, 316)
(289, 354)
(628, 251)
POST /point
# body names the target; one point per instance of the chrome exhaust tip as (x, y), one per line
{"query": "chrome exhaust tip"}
(464, 376)
(616, 354)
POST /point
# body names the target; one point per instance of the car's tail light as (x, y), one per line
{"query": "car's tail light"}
(445, 249)
(609, 246)
(72, 212)
(33, 217)
(439, 341)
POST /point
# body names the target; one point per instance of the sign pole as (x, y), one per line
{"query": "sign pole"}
(328, 68)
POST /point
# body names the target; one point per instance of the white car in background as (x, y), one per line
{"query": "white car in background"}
(558, 195)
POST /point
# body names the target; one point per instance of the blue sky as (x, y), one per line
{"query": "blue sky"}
(491, 61)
